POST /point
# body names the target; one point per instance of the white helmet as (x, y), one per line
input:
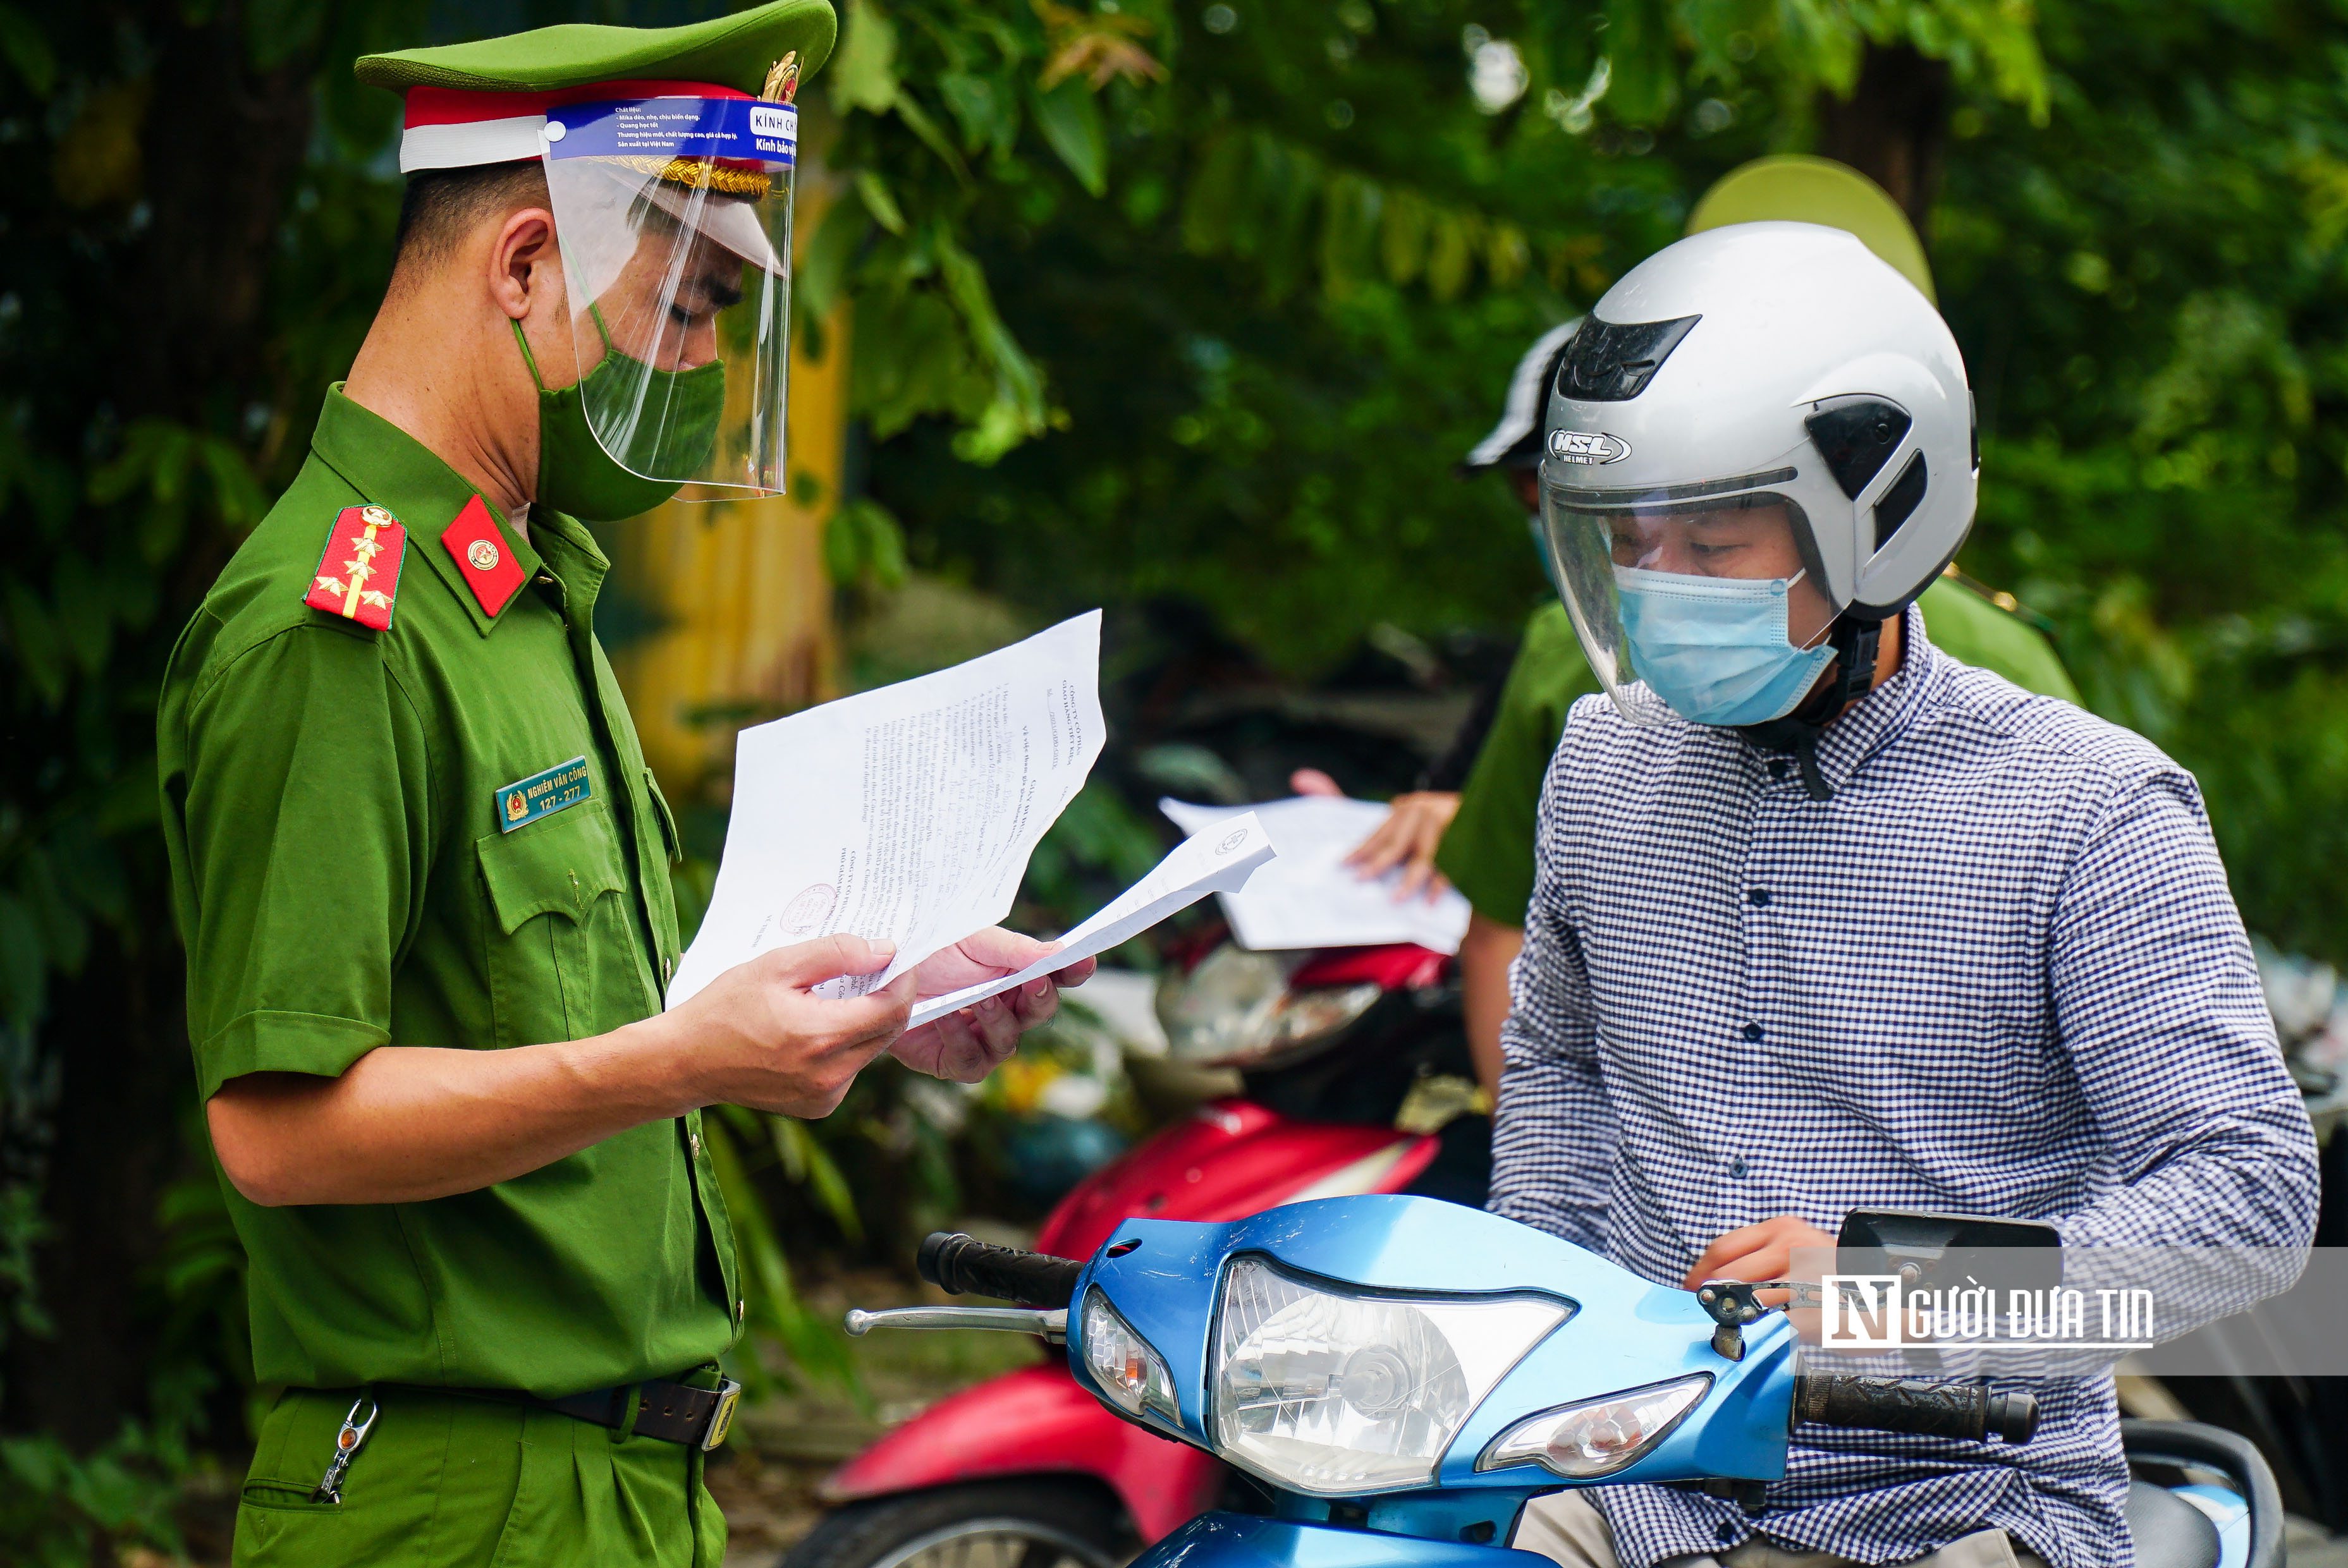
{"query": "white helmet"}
(1751, 367)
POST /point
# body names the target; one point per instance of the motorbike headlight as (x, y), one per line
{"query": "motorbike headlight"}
(1598, 1437)
(1236, 1010)
(1336, 1393)
(1123, 1363)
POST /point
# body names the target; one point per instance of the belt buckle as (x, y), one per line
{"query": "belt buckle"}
(721, 1416)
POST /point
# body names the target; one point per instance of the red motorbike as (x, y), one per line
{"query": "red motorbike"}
(1028, 1470)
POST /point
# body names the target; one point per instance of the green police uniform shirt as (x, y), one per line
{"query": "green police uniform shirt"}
(1488, 851)
(347, 875)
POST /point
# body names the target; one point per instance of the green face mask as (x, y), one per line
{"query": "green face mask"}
(577, 477)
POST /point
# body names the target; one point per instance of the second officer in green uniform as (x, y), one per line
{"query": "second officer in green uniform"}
(420, 864)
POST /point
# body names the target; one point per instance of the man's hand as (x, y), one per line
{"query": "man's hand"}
(967, 1044)
(1764, 1251)
(1408, 837)
(764, 1040)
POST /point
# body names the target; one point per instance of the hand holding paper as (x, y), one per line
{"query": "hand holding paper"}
(905, 815)
(1219, 860)
(1311, 898)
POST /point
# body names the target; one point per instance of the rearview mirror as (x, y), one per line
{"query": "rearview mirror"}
(1928, 1250)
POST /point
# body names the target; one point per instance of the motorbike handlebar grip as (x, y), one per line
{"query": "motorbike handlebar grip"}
(1915, 1405)
(958, 1264)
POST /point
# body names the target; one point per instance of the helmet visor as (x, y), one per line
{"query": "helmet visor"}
(675, 220)
(1695, 599)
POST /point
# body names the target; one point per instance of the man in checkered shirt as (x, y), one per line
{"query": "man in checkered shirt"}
(1826, 920)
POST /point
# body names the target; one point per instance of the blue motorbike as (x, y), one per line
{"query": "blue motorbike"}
(1401, 1376)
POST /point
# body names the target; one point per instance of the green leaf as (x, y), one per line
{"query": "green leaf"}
(864, 72)
(874, 191)
(237, 495)
(822, 272)
(24, 964)
(765, 1277)
(83, 615)
(1070, 120)
(864, 543)
(806, 1159)
(277, 31)
(28, 50)
(34, 632)
(917, 119)
(985, 112)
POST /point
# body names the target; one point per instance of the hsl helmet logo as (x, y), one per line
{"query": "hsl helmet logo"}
(1587, 447)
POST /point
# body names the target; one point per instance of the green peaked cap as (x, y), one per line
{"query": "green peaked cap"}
(1796, 186)
(725, 51)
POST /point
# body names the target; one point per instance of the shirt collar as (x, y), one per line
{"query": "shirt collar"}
(396, 471)
(572, 556)
(1887, 711)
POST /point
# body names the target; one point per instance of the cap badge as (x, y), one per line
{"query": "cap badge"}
(782, 79)
(359, 575)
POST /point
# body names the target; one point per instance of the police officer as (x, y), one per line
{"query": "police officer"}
(421, 867)
(1481, 837)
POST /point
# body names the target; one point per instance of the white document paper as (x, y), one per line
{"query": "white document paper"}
(907, 814)
(1219, 860)
(1309, 897)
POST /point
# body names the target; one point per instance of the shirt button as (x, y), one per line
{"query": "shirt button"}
(1726, 1534)
(741, 1311)
(1758, 897)
(1752, 1031)
(1777, 768)
(1736, 1168)
(668, 971)
(692, 1141)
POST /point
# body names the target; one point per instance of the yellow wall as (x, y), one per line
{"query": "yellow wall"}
(739, 586)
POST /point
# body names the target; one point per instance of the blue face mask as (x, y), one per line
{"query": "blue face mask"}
(1717, 649)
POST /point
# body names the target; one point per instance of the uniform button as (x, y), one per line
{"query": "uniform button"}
(693, 1141)
(1752, 1031)
(1736, 1168)
(1777, 768)
(741, 1311)
(668, 971)
(1758, 897)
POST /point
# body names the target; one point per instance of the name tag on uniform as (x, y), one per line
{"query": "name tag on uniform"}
(526, 800)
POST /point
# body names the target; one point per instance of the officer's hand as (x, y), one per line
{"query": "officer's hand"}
(966, 1045)
(761, 1039)
(1408, 837)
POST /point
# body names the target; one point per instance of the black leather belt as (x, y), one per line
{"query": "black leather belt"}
(697, 1418)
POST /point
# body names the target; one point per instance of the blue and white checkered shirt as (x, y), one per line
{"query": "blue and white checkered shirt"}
(1999, 972)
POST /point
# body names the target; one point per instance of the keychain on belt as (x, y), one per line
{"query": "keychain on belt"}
(347, 1443)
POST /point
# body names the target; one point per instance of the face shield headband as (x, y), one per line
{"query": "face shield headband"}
(674, 216)
(1703, 600)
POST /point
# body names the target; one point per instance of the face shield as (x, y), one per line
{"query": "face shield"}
(1704, 600)
(674, 215)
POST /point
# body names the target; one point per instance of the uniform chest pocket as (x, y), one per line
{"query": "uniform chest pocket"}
(562, 953)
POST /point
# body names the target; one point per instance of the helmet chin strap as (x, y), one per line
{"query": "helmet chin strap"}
(1850, 676)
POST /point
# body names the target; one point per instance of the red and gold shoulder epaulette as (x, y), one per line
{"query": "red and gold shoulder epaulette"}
(359, 575)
